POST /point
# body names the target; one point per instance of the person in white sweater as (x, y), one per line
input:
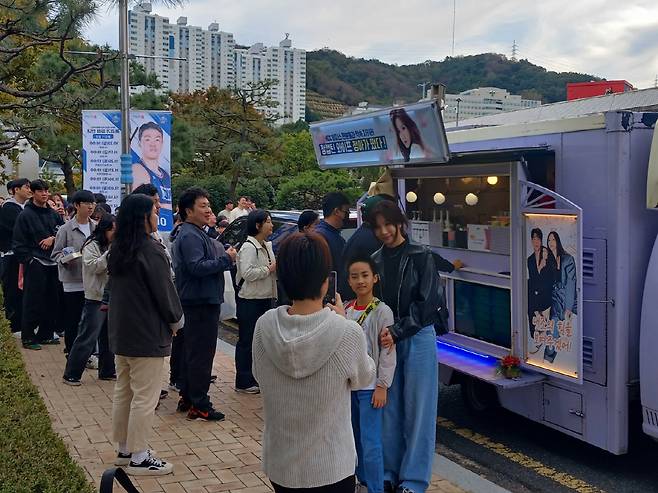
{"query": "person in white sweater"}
(307, 359)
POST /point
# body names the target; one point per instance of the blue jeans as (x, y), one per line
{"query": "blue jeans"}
(92, 329)
(409, 425)
(367, 426)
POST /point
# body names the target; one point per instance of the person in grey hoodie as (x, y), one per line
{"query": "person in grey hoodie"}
(307, 359)
(67, 253)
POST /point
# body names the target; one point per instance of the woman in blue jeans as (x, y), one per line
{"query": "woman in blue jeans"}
(93, 322)
(410, 286)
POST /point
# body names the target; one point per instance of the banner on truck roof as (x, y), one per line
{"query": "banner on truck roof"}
(412, 134)
(150, 150)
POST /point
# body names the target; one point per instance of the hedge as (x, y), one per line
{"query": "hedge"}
(33, 458)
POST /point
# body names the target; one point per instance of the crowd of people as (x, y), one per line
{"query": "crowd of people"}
(349, 388)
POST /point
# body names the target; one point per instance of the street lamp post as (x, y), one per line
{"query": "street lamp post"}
(458, 100)
(126, 158)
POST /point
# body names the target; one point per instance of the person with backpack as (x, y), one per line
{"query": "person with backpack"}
(368, 402)
(410, 286)
(256, 293)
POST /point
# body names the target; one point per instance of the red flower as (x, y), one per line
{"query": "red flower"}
(510, 361)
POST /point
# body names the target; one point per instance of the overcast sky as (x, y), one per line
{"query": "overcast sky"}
(615, 40)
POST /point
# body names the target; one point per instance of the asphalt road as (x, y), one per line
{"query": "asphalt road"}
(523, 456)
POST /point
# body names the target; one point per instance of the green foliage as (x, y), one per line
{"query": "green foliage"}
(32, 457)
(217, 187)
(259, 189)
(306, 190)
(351, 80)
(297, 153)
(293, 128)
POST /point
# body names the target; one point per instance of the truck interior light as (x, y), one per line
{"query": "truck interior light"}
(439, 198)
(471, 199)
(492, 180)
(412, 197)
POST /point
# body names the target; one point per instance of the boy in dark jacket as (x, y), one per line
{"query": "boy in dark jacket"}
(199, 272)
(34, 237)
(20, 192)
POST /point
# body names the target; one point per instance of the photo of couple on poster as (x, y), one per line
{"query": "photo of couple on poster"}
(552, 292)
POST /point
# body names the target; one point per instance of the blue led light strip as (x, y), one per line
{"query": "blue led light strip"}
(468, 351)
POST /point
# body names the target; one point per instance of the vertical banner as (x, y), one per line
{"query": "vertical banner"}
(150, 133)
(101, 154)
(554, 300)
(150, 146)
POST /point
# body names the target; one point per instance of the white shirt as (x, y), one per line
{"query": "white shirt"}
(237, 212)
(85, 229)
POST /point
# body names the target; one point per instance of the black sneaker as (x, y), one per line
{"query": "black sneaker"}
(73, 382)
(404, 489)
(388, 487)
(209, 415)
(122, 459)
(50, 342)
(151, 466)
(109, 378)
(164, 394)
(32, 345)
(213, 378)
(183, 406)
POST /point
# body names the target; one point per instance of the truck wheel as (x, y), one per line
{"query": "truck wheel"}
(478, 396)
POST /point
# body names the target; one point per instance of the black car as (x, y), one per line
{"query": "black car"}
(285, 223)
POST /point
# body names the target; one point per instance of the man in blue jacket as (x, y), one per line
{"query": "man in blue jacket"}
(336, 211)
(199, 265)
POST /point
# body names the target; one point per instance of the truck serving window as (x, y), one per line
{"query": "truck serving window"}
(483, 312)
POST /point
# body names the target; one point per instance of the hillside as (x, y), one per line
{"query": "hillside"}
(351, 80)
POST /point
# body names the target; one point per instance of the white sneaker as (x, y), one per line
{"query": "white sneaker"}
(151, 466)
(92, 363)
(249, 390)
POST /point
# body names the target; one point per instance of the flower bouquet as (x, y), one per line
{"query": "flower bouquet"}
(509, 367)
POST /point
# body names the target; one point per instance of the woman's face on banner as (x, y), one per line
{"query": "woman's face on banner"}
(552, 243)
(403, 132)
(151, 144)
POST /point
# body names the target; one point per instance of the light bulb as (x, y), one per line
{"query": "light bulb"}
(471, 199)
(492, 180)
(412, 197)
(439, 198)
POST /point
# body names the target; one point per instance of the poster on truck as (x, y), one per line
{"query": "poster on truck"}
(554, 304)
(412, 134)
(150, 147)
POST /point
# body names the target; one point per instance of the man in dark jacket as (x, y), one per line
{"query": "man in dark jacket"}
(34, 237)
(20, 192)
(336, 211)
(199, 269)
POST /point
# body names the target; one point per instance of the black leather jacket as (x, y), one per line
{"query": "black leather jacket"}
(418, 294)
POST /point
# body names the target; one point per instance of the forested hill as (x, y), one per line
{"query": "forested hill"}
(352, 80)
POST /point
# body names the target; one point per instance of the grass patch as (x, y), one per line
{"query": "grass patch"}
(33, 458)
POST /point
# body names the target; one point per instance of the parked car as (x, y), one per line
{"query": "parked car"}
(285, 223)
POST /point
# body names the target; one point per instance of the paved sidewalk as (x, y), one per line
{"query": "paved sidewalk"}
(207, 457)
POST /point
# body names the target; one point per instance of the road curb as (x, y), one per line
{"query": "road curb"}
(463, 478)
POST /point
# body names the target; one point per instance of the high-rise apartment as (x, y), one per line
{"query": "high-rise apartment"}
(211, 59)
(284, 65)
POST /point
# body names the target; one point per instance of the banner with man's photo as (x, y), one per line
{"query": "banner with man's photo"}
(411, 134)
(554, 300)
(150, 133)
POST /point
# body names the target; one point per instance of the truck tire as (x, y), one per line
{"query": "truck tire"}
(478, 396)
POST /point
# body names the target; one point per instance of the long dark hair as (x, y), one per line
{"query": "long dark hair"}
(414, 133)
(558, 244)
(131, 234)
(105, 224)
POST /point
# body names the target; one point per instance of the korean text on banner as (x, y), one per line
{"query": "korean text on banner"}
(101, 154)
(412, 134)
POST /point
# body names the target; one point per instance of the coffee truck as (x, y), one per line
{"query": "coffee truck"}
(555, 222)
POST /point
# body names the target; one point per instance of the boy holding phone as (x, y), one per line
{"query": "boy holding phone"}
(367, 404)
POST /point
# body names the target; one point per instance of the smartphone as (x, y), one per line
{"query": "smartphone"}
(330, 297)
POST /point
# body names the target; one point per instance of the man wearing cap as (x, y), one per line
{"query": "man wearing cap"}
(33, 241)
(19, 190)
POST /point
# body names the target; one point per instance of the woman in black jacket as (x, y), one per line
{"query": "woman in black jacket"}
(410, 286)
(144, 314)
